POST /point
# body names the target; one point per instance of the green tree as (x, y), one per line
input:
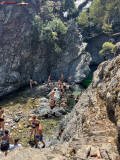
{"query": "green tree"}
(69, 4)
(37, 28)
(107, 48)
(83, 19)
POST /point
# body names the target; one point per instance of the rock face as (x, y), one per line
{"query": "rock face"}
(21, 60)
(74, 60)
(95, 45)
(93, 125)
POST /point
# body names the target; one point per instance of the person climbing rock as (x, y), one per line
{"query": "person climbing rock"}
(5, 140)
(39, 135)
(32, 122)
(32, 83)
(2, 119)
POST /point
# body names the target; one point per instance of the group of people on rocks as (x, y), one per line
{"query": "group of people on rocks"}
(6, 138)
(36, 127)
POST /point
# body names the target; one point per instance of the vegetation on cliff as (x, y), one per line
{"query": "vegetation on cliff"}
(103, 16)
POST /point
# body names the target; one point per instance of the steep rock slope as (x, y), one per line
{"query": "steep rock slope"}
(93, 123)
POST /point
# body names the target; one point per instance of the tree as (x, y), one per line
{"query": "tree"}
(107, 48)
(69, 4)
(83, 19)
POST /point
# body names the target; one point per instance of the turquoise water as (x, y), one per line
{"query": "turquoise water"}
(85, 83)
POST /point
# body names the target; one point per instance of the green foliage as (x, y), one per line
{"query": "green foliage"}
(69, 4)
(49, 32)
(37, 28)
(107, 48)
(47, 12)
(103, 13)
(107, 28)
(83, 19)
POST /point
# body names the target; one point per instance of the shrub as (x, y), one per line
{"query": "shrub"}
(108, 48)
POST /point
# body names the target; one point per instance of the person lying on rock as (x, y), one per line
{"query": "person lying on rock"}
(2, 119)
(5, 140)
(32, 122)
(12, 147)
(39, 135)
(32, 83)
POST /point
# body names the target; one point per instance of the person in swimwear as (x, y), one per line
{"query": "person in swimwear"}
(52, 93)
(39, 135)
(62, 77)
(49, 79)
(52, 103)
(2, 119)
(69, 80)
(32, 83)
(32, 122)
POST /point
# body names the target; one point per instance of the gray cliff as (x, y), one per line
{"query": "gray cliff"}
(21, 59)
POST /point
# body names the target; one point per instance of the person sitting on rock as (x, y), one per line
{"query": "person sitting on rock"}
(64, 86)
(32, 83)
(39, 135)
(64, 104)
(11, 147)
(32, 122)
(52, 103)
(5, 140)
(2, 119)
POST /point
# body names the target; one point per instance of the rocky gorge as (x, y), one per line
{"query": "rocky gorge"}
(93, 123)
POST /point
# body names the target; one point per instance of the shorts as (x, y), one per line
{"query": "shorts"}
(69, 83)
(41, 138)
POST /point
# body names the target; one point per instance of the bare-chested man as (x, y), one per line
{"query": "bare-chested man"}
(39, 135)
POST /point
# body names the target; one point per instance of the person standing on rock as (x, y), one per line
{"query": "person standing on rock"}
(39, 135)
(5, 140)
(2, 119)
(62, 78)
(32, 122)
(69, 80)
(49, 79)
(52, 93)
